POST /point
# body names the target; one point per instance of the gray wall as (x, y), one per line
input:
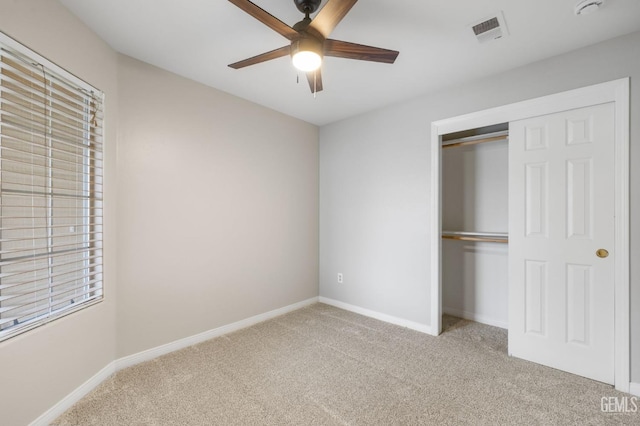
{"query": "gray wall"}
(39, 368)
(218, 208)
(374, 181)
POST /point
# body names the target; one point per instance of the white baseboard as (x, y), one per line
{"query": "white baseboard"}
(472, 316)
(114, 366)
(377, 315)
(152, 353)
(56, 411)
(634, 388)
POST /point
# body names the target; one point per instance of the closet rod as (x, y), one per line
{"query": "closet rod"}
(479, 239)
(487, 237)
(473, 140)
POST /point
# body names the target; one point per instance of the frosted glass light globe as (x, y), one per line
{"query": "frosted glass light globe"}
(307, 60)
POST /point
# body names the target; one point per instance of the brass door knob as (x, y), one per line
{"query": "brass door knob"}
(602, 253)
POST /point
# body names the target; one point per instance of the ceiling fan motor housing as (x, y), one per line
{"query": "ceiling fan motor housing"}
(307, 43)
(307, 6)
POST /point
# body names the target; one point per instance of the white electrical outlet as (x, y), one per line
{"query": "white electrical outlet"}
(340, 278)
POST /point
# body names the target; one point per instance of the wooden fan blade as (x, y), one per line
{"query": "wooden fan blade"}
(344, 49)
(330, 16)
(266, 18)
(277, 53)
(315, 80)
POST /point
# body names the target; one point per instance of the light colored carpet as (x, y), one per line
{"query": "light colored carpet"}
(324, 366)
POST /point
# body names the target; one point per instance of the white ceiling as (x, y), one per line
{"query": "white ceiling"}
(198, 38)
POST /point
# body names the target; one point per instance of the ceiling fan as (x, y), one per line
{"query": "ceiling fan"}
(309, 42)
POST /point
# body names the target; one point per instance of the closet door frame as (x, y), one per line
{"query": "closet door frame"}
(616, 91)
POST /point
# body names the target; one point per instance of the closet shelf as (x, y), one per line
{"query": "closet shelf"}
(488, 237)
(473, 140)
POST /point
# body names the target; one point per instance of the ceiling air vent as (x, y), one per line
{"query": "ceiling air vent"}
(490, 28)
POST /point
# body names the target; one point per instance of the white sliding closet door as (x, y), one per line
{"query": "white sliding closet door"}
(561, 213)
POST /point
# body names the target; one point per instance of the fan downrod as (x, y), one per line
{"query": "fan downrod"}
(307, 6)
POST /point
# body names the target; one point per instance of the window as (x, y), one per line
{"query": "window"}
(50, 191)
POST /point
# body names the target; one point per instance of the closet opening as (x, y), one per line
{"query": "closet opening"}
(546, 187)
(474, 256)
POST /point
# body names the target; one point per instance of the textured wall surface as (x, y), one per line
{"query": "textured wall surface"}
(218, 208)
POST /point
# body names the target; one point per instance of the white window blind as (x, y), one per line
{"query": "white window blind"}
(50, 191)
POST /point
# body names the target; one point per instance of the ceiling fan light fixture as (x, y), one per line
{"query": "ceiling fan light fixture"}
(306, 54)
(308, 39)
(307, 61)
